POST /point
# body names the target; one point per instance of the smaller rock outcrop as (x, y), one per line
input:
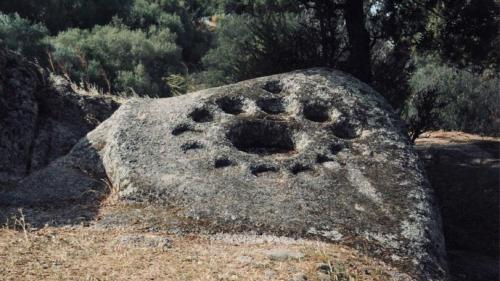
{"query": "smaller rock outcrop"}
(41, 117)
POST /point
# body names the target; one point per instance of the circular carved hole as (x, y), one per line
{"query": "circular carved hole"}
(183, 128)
(344, 130)
(322, 158)
(191, 145)
(201, 115)
(231, 105)
(261, 137)
(271, 105)
(316, 112)
(300, 168)
(274, 87)
(262, 168)
(336, 148)
(223, 162)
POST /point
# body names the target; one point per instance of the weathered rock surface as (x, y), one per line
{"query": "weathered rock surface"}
(312, 153)
(41, 117)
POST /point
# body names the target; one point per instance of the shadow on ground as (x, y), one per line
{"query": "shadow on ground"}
(466, 177)
(78, 211)
(39, 216)
(69, 191)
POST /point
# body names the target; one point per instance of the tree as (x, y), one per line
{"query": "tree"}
(309, 33)
(248, 47)
(359, 40)
(466, 32)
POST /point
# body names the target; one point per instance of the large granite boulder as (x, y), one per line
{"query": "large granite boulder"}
(312, 153)
(41, 117)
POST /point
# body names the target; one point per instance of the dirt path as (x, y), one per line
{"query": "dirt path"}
(465, 172)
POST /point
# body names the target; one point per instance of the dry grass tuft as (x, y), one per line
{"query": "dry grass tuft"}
(112, 193)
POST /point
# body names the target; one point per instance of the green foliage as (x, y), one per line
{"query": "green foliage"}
(392, 67)
(20, 35)
(270, 36)
(164, 47)
(403, 22)
(178, 17)
(466, 32)
(59, 15)
(457, 32)
(248, 47)
(228, 61)
(257, 6)
(118, 59)
(178, 84)
(449, 98)
(137, 82)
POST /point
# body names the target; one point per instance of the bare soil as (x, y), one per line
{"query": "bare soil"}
(464, 170)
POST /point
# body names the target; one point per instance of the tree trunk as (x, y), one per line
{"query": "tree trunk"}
(359, 40)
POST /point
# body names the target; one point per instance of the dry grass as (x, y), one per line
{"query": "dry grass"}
(80, 253)
(449, 137)
(93, 90)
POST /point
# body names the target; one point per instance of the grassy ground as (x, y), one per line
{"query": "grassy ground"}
(89, 253)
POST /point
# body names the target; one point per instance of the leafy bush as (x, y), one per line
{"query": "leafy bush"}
(227, 61)
(118, 59)
(453, 99)
(248, 47)
(178, 17)
(20, 35)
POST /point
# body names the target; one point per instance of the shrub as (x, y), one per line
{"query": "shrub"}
(22, 36)
(227, 61)
(178, 17)
(248, 47)
(448, 98)
(118, 59)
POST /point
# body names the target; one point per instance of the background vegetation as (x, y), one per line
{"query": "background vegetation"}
(436, 61)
